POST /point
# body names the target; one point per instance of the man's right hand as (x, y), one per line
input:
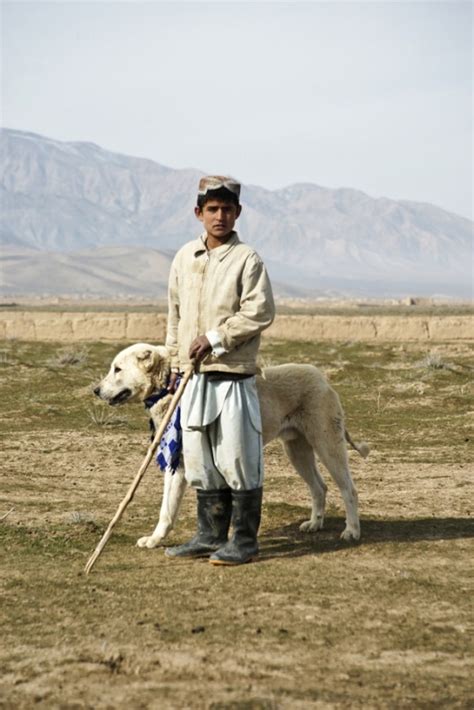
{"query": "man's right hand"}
(200, 347)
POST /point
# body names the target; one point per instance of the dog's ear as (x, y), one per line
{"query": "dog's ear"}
(148, 360)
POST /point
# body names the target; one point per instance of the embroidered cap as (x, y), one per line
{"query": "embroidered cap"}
(214, 182)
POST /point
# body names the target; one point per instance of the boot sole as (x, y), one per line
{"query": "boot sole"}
(224, 563)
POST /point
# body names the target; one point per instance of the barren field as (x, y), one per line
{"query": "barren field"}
(315, 623)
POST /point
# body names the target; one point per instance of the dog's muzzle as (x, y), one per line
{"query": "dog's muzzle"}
(119, 398)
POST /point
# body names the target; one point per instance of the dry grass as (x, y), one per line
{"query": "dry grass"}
(101, 415)
(69, 356)
(314, 624)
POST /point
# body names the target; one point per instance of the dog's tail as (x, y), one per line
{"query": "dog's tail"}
(362, 448)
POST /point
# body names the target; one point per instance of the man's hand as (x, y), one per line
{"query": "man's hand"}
(200, 347)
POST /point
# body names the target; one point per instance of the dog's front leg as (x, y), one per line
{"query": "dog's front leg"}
(173, 491)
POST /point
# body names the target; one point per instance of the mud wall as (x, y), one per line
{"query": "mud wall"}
(112, 326)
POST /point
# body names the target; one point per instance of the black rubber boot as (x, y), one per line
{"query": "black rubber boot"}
(214, 509)
(243, 546)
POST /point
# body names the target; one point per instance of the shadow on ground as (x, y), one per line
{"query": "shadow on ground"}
(289, 541)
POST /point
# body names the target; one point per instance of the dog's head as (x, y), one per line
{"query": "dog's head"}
(135, 373)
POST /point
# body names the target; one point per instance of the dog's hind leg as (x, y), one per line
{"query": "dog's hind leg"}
(333, 453)
(173, 491)
(302, 457)
(326, 435)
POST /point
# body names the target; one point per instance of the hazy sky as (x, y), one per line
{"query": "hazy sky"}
(371, 95)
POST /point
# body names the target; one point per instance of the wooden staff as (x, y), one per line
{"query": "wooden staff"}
(150, 453)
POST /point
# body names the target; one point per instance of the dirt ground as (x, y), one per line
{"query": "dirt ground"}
(315, 623)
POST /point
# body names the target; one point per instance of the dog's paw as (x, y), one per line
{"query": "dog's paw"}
(350, 534)
(148, 541)
(312, 525)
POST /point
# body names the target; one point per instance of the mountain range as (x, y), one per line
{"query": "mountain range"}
(78, 219)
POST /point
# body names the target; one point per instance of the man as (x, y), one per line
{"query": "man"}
(220, 300)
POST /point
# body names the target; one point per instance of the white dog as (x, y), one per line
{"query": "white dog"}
(297, 405)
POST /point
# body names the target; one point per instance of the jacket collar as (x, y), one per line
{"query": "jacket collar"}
(220, 252)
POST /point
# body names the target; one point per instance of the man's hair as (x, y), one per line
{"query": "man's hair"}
(222, 193)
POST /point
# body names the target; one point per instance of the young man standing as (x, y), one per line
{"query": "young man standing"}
(220, 300)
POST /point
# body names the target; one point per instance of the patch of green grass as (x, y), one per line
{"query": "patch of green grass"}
(47, 386)
(390, 397)
(59, 540)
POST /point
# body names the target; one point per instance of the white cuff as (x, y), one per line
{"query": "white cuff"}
(215, 340)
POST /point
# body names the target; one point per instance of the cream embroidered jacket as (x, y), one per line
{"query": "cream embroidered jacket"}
(225, 290)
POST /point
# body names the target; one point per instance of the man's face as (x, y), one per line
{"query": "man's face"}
(218, 218)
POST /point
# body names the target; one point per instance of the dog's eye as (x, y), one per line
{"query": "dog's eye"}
(117, 369)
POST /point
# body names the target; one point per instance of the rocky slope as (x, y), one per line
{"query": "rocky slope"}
(63, 203)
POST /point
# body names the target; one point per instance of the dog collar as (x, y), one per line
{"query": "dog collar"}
(155, 397)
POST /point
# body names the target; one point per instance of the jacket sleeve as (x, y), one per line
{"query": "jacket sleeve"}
(257, 308)
(173, 316)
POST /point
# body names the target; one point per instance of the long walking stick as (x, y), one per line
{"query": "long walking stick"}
(134, 485)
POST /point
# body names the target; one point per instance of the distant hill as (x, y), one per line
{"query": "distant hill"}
(76, 218)
(107, 271)
(92, 272)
